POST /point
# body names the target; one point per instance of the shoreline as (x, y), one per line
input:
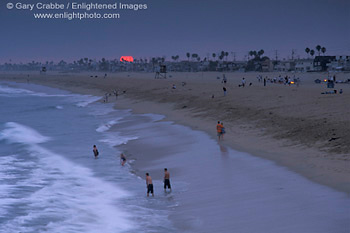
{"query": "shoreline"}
(310, 162)
(280, 156)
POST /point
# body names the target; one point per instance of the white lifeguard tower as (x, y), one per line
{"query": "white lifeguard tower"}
(161, 73)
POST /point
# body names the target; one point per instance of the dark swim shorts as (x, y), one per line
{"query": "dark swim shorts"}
(150, 188)
(167, 183)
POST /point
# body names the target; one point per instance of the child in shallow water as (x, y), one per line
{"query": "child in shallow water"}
(122, 159)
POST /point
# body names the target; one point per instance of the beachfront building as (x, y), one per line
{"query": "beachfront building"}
(204, 66)
(341, 63)
(266, 65)
(239, 65)
(321, 63)
(288, 65)
(304, 65)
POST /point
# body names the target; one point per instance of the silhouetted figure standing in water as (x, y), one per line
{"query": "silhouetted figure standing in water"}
(166, 179)
(149, 184)
(95, 151)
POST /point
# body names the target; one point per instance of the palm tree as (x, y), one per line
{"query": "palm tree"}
(226, 55)
(194, 56)
(318, 48)
(255, 54)
(307, 50)
(222, 55)
(312, 52)
(251, 53)
(214, 55)
(323, 49)
(261, 52)
(188, 56)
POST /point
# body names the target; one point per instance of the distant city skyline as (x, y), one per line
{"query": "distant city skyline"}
(169, 28)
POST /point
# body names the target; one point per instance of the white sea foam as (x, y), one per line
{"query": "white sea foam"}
(59, 107)
(154, 117)
(85, 100)
(11, 90)
(81, 100)
(64, 197)
(108, 125)
(114, 139)
(21, 134)
(14, 91)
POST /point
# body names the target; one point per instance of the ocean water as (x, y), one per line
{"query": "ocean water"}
(49, 180)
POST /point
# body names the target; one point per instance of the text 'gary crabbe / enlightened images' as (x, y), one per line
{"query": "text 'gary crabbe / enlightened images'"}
(76, 10)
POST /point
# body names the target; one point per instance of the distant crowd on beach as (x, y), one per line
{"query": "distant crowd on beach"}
(149, 182)
(286, 80)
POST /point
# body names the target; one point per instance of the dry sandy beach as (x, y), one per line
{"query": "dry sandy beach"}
(296, 127)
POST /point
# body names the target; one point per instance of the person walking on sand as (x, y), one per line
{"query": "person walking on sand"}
(222, 130)
(166, 179)
(122, 159)
(243, 82)
(95, 151)
(224, 89)
(149, 184)
(218, 130)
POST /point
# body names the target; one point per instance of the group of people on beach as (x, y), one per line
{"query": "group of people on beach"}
(107, 95)
(149, 182)
(287, 80)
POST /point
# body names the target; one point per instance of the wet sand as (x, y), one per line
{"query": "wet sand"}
(215, 188)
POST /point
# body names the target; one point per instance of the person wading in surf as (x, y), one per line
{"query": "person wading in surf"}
(149, 184)
(166, 179)
(95, 151)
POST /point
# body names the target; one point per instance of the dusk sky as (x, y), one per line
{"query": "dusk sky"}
(174, 27)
